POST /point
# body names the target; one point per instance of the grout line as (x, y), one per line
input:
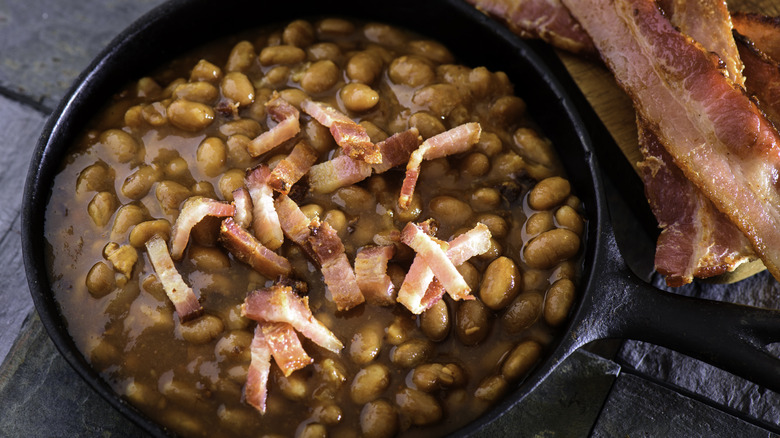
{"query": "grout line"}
(25, 100)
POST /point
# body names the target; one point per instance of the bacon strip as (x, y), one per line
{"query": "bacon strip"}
(729, 150)
(351, 136)
(256, 387)
(335, 268)
(420, 290)
(763, 31)
(243, 204)
(295, 224)
(338, 172)
(397, 149)
(280, 304)
(265, 223)
(453, 141)
(183, 298)
(436, 259)
(292, 168)
(193, 211)
(285, 346)
(249, 250)
(371, 274)
(287, 126)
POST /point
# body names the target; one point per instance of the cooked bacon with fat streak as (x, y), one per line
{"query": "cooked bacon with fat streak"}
(371, 274)
(762, 31)
(243, 204)
(181, 295)
(435, 257)
(335, 267)
(730, 151)
(336, 173)
(295, 224)
(246, 248)
(265, 220)
(280, 304)
(453, 141)
(193, 210)
(292, 168)
(285, 346)
(351, 136)
(287, 127)
(256, 387)
(420, 289)
(397, 149)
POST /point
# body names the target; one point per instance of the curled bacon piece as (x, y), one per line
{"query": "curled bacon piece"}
(265, 222)
(285, 346)
(287, 126)
(249, 250)
(453, 141)
(280, 304)
(434, 256)
(183, 298)
(193, 211)
(762, 79)
(336, 270)
(338, 172)
(397, 149)
(352, 137)
(256, 387)
(292, 168)
(371, 274)
(295, 224)
(761, 30)
(243, 204)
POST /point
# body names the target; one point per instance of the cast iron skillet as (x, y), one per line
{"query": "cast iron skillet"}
(613, 303)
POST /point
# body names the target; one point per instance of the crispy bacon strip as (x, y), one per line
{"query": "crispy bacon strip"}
(265, 222)
(280, 304)
(453, 141)
(243, 245)
(285, 346)
(436, 259)
(338, 172)
(762, 75)
(193, 211)
(256, 387)
(729, 150)
(420, 290)
(287, 126)
(397, 149)
(761, 30)
(335, 268)
(295, 224)
(292, 168)
(243, 204)
(371, 274)
(544, 19)
(351, 136)
(183, 298)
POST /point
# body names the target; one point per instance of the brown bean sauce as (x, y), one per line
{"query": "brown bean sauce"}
(144, 154)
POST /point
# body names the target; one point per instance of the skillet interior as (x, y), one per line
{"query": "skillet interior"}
(169, 30)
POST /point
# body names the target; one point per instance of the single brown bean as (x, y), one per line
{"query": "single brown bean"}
(472, 322)
(507, 110)
(155, 114)
(234, 346)
(319, 136)
(432, 50)
(127, 216)
(204, 189)
(548, 193)
(567, 217)
(426, 124)
(276, 77)
(500, 284)
(283, 54)
(177, 168)
(421, 408)
(375, 133)
(558, 302)
(450, 211)
(358, 97)
(364, 67)
(121, 145)
(211, 156)
(353, 199)
(314, 211)
(485, 199)
(202, 92)
(411, 70)
(507, 164)
(523, 312)
(337, 220)
(475, 164)
(102, 207)
(470, 274)
(100, 280)
(96, 177)
(138, 183)
(366, 344)
(398, 331)
(489, 144)
(147, 87)
(241, 57)
(495, 223)
(384, 34)
(440, 99)
(320, 76)
(539, 222)
(189, 116)
(434, 376)
(369, 383)
(491, 388)
(435, 321)
(494, 250)
(201, 330)
(237, 152)
(206, 72)
(313, 430)
(335, 26)
(145, 230)
(378, 419)
(208, 259)
(521, 359)
(170, 195)
(550, 248)
(411, 212)
(237, 87)
(299, 33)
(411, 353)
(323, 50)
(247, 127)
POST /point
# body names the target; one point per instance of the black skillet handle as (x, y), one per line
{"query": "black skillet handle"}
(730, 336)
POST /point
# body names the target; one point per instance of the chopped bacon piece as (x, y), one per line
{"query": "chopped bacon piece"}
(249, 250)
(371, 274)
(453, 141)
(348, 134)
(292, 168)
(729, 150)
(183, 298)
(336, 270)
(280, 304)
(285, 346)
(763, 31)
(256, 388)
(265, 222)
(193, 211)
(338, 172)
(548, 20)
(294, 222)
(397, 149)
(287, 126)
(243, 204)
(420, 289)
(436, 259)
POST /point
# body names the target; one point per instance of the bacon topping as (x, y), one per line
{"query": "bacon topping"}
(292, 168)
(371, 274)
(762, 78)
(256, 387)
(243, 204)
(338, 172)
(434, 256)
(351, 136)
(397, 149)
(285, 346)
(280, 304)
(243, 245)
(193, 211)
(336, 270)
(761, 30)
(453, 141)
(183, 298)
(265, 223)
(294, 222)
(287, 126)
